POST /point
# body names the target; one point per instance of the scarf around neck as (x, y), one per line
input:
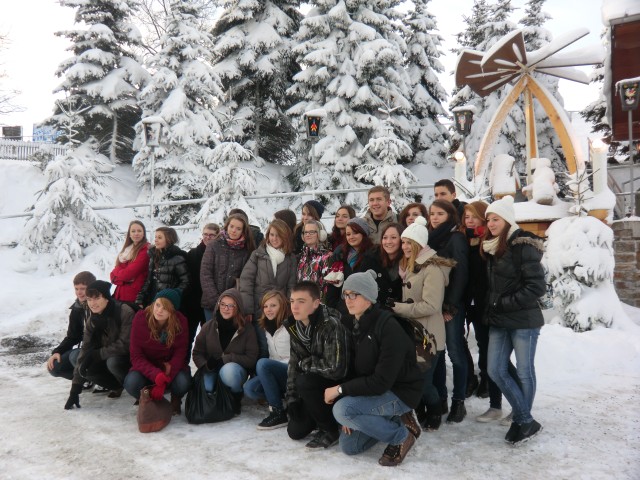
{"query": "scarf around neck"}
(276, 256)
(126, 255)
(440, 235)
(233, 244)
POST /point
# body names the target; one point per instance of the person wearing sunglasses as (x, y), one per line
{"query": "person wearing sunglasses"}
(386, 385)
(227, 346)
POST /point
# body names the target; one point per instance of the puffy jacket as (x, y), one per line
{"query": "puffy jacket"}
(516, 282)
(384, 359)
(129, 277)
(424, 289)
(221, 268)
(149, 355)
(171, 272)
(279, 344)
(112, 341)
(313, 265)
(329, 354)
(257, 278)
(78, 316)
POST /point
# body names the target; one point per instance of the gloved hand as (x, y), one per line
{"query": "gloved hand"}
(215, 363)
(89, 358)
(157, 392)
(390, 302)
(74, 397)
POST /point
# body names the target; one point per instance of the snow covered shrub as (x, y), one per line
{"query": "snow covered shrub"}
(579, 261)
(63, 222)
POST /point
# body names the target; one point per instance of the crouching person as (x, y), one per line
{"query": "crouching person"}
(104, 357)
(319, 357)
(159, 345)
(227, 347)
(64, 357)
(377, 403)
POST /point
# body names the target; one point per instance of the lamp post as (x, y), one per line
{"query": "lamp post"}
(463, 119)
(630, 97)
(313, 124)
(152, 131)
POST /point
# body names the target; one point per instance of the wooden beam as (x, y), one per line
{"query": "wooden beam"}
(531, 135)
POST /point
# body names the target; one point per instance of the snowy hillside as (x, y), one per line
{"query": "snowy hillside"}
(588, 399)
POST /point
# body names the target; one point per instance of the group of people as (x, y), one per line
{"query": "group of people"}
(310, 321)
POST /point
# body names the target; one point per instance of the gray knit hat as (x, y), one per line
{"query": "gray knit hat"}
(363, 283)
(362, 223)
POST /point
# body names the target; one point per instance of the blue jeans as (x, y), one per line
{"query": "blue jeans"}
(371, 420)
(64, 368)
(231, 374)
(136, 381)
(270, 382)
(523, 342)
(430, 395)
(454, 329)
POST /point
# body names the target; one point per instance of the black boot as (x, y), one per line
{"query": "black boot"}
(472, 384)
(237, 399)
(421, 412)
(483, 388)
(434, 417)
(458, 411)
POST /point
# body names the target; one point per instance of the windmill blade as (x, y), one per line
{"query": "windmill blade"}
(568, 73)
(468, 65)
(508, 51)
(493, 84)
(556, 45)
(584, 56)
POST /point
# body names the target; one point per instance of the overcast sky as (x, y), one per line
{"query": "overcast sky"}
(32, 57)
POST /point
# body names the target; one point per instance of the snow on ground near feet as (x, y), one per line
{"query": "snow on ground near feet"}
(588, 402)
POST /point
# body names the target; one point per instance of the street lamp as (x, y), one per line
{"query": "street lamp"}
(630, 97)
(151, 134)
(463, 119)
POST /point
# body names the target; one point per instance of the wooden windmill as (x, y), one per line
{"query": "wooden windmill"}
(508, 61)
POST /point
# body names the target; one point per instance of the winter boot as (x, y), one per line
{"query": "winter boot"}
(237, 402)
(483, 388)
(276, 419)
(434, 417)
(409, 421)
(472, 384)
(394, 454)
(421, 413)
(444, 406)
(458, 411)
(176, 404)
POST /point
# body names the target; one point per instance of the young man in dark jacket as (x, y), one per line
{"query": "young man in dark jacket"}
(104, 357)
(64, 356)
(320, 353)
(378, 403)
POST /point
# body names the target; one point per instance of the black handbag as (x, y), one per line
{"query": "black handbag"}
(208, 407)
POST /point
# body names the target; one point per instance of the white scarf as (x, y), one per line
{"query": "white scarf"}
(491, 246)
(276, 256)
(125, 255)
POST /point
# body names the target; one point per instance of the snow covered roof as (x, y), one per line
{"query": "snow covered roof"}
(534, 212)
(613, 11)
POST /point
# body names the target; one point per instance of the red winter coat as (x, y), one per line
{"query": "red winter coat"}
(149, 355)
(129, 277)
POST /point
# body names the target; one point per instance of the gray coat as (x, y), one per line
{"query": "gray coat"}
(257, 278)
(220, 269)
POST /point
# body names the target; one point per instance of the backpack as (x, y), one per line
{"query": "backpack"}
(425, 342)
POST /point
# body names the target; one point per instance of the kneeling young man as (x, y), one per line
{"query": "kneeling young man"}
(320, 352)
(104, 357)
(378, 402)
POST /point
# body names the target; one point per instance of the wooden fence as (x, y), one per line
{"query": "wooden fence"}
(20, 150)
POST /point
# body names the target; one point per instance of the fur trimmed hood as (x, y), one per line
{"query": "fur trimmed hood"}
(528, 238)
(431, 258)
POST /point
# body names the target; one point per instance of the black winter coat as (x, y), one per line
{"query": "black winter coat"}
(369, 261)
(450, 243)
(384, 359)
(329, 354)
(171, 272)
(516, 282)
(79, 314)
(477, 287)
(193, 294)
(388, 288)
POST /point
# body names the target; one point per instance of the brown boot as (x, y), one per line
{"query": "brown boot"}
(176, 404)
(409, 421)
(394, 454)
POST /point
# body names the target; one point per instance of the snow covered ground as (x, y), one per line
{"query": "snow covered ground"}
(588, 401)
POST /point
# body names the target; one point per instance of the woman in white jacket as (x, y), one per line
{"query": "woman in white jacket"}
(424, 278)
(270, 381)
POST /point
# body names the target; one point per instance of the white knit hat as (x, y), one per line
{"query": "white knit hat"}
(504, 209)
(417, 231)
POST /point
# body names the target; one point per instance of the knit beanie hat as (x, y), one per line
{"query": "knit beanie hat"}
(317, 206)
(361, 222)
(104, 288)
(417, 231)
(504, 209)
(171, 294)
(363, 283)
